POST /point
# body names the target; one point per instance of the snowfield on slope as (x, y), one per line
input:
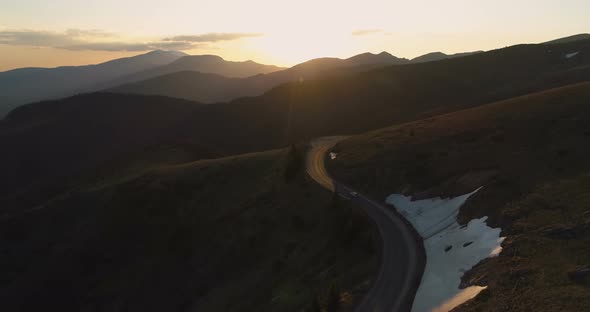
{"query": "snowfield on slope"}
(451, 249)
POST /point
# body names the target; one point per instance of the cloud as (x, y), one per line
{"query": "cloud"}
(98, 40)
(130, 47)
(74, 32)
(364, 32)
(36, 38)
(212, 37)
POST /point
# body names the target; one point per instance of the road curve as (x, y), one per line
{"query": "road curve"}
(403, 257)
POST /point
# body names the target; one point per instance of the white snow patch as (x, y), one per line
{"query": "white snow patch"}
(333, 155)
(436, 221)
(570, 55)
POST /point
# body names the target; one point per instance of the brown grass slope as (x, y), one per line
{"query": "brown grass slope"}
(246, 233)
(531, 155)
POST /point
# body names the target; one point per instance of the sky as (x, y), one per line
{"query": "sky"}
(72, 32)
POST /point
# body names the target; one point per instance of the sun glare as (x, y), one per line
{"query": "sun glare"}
(297, 47)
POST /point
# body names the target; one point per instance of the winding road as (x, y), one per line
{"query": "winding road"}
(403, 258)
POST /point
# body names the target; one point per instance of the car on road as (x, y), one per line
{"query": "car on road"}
(354, 194)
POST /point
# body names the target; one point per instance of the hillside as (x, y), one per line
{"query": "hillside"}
(46, 142)
(530, 155)
(60, 138)
(246, 233)
(198, 84)
(25, 85)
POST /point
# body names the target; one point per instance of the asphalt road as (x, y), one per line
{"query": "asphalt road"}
(403, 257)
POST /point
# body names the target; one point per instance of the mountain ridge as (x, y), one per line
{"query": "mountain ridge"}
(573, 38)
(437, 56)
(26, 85)
(196, 86)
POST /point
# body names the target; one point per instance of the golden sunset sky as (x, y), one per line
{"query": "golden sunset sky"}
(73, 32)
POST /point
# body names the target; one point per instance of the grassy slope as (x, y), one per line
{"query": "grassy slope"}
(44, 143)
(220, 235)
(531, 154)
(531, 273)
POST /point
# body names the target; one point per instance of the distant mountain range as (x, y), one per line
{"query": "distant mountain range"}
(22, 86)
(212, 64)
(202, 78)
(207, 88)
(211, 88)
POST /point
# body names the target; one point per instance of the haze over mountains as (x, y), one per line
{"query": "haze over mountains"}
(211, 88)
(204, 78)
(211, 64)
(22, 86)
(206, 88)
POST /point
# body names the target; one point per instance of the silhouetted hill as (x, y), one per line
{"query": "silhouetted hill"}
(381, 58)
(437, 56)
(208, 88)
(201, 87)
(47, 141)
(58, 139)
(316, 67)
(207, 64)
(573, 38)
(25, 85)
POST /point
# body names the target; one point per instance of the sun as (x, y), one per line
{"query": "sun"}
(296, 46)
